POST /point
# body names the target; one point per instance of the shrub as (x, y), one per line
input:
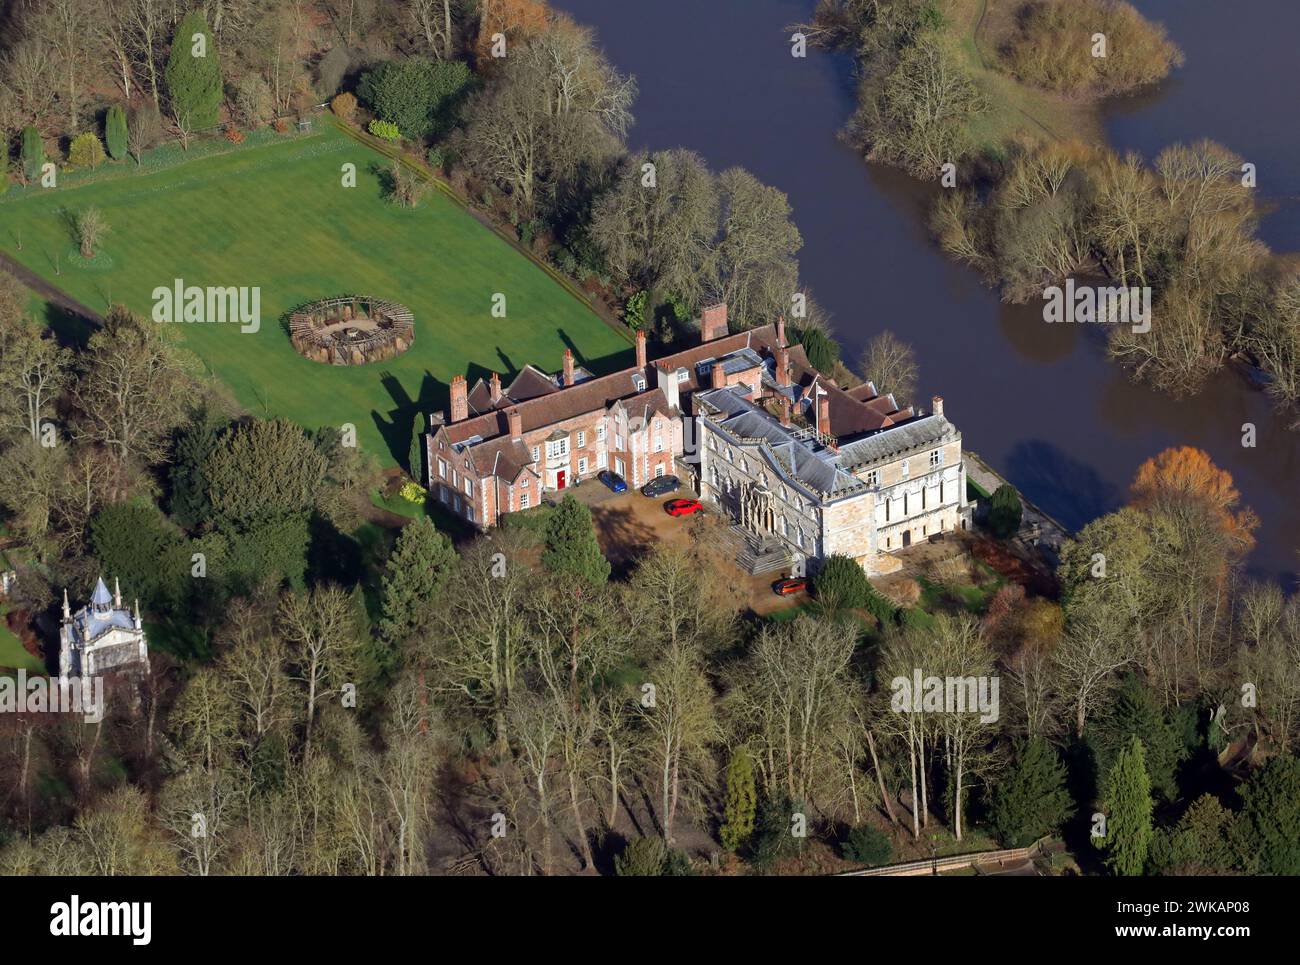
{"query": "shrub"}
(634, 310)
(417, 94)
(281, 125)
(1004, 512)
(254, 101)
(344, 106)
(841, 584)
(914, 618)
(413, 492)
(1053, 48)
(740, 804)
(867, 845)
(86, 151)
(331, 70)
(435, 157)
(234, 135)
(384, 130)
(822, 350)
(643, 858)
(115, 134)
(33, 153)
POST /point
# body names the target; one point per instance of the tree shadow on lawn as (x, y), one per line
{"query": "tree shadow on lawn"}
(396, 428)
(71, 330)
(601, 366)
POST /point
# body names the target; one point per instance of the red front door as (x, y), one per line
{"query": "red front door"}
(560, 478)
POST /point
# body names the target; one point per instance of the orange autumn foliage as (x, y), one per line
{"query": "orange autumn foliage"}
(1187, 474)
(519, 20)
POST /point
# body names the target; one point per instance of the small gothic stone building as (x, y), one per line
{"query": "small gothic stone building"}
(102, 637)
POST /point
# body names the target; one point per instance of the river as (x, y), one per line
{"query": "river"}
(1040, 402)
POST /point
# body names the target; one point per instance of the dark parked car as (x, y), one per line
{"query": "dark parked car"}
(661, 486)
(787, 587)
(613, 480)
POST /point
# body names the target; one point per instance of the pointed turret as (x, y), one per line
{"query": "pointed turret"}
(117, 594)
(67, 610)
(138, 624)
(101, 599)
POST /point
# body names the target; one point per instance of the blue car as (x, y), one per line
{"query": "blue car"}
(613, 480)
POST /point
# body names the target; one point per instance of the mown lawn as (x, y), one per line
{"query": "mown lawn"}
(278, 217)
(12, 654)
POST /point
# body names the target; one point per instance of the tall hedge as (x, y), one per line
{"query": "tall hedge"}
(115, 132)
(193, 81)
(33, 153)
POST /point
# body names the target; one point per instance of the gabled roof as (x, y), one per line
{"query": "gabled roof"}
(541, 402)
(530, 383)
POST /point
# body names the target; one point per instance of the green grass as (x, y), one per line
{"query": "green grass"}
(278, 217)
(1014, 109)
(12, 654)
(455, 527)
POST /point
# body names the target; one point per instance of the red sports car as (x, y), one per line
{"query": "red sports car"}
(787, 587)
(683, 507)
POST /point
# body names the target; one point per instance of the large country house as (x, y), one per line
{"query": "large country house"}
(804, 467)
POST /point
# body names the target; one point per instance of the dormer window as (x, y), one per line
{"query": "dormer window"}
(638, 381)
(683, 376)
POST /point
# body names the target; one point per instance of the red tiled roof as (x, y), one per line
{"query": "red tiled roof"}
(541, 403)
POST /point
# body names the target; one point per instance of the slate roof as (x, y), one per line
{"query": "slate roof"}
(808, 461)
(93, 621)
(541, 402)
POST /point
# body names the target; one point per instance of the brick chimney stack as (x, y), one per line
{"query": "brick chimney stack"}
(780, 330)
(568, 366)
(516, 424)
(785, 412)
(936, 404)
(640, 350)
(719, 376)
(824, 415)
(782, 366)
(713, 322)
(495, 388)
(459, 399)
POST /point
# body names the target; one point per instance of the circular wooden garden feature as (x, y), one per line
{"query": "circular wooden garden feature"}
(351, 330)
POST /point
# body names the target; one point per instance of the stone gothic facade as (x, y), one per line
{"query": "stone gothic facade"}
(102, 637)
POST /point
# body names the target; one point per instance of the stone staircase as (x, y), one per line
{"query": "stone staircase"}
(755, 555)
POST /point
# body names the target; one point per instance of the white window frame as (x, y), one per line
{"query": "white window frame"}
(582, 439)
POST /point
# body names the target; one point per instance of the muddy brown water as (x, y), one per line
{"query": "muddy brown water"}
(1040, 402)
